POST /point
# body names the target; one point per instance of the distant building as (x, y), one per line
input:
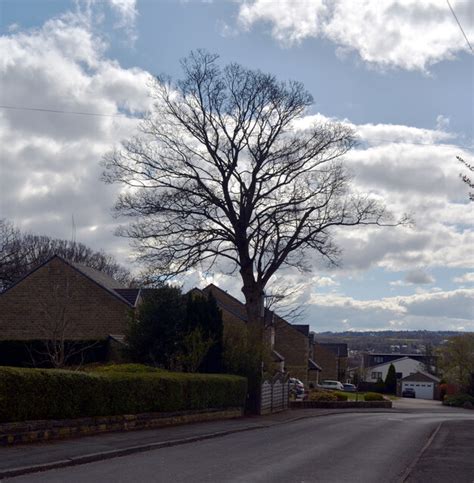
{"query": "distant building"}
(404, 366)
(332, 357)
(370, 359)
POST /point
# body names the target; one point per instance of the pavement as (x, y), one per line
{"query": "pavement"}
(31, 458)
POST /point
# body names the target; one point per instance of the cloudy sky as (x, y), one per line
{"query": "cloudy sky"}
(399, 71)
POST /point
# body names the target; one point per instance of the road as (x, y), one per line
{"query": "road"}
(352, 447)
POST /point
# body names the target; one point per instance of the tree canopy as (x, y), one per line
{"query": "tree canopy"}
(177, 331)
(21, 252)
(227, 168)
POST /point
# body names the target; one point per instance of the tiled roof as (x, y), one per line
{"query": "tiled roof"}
(303, 328)
(421, 376)
(129, 294)
(227, 302)
(100, 277)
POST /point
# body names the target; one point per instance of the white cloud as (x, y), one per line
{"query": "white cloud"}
(127, 12)
(406, 34)
(466, 278)
(442, 122)
(431, 311)
(51, 162)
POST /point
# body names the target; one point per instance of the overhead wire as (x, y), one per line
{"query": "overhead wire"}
(459, 23)
(123, 116)
(60, 111)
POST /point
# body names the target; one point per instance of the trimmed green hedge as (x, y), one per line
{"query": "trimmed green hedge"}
(322, 396)
(129, 368)
(341, 396)
(29, 394)
(373, 396)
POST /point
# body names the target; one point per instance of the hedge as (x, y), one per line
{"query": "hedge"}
(32, 394)
(130, 368)
(373, 396)
(458, 400)
(322, 396)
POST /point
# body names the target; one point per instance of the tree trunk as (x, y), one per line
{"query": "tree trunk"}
(254, 308)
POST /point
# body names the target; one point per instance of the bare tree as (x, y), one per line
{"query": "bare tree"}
(283, 299)
(55, 326)
(466, 178)
(224, 170)
(21, 252)
(10, 253)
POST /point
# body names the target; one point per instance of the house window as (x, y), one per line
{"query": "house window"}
(376, 375)
(378, 359)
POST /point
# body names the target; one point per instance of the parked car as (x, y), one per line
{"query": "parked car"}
(409, 392)
(350, 388)
(296, 387)
(336, 385)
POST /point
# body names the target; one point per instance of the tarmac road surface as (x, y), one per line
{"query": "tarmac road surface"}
(363, 447)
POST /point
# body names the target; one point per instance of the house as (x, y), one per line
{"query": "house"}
(426, 386)
(331, 357)
(370, 359)
(289, 344)
(404, 366)
(61, 299)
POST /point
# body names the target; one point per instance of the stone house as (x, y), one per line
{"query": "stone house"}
(331, 357)
(68, 301)
(289, 344)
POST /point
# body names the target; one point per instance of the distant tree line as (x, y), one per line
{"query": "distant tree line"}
(21, 252)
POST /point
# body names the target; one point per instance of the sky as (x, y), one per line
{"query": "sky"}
(400, 72)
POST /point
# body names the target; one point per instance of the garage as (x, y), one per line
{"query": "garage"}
(425, 385)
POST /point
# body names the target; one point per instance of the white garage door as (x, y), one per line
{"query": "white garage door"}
(423, 390)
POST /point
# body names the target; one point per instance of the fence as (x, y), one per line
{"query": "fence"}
(275, 394)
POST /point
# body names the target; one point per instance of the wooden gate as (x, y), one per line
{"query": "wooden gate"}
(275, 394)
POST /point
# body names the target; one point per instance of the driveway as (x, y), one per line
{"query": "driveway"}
(424, 405)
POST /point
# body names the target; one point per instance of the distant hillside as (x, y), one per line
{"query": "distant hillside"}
(405, 342)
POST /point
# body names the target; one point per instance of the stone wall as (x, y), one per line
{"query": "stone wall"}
(341, 404)
(35, 431)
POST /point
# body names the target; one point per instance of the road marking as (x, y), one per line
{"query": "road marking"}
(406, 475)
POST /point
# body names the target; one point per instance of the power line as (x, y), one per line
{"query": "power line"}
(98, 114)
(460, 26)
(58, 111)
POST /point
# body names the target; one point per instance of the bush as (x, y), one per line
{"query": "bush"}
(458, 400)
(373, 396)
(128, 368)
(341, 396)
(322, 396)
(28, 394)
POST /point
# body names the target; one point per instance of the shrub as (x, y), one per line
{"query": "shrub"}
(373, 396)
(129, 368)
(322, 396)
(458, 400)
(341, 396)
(27, 394)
